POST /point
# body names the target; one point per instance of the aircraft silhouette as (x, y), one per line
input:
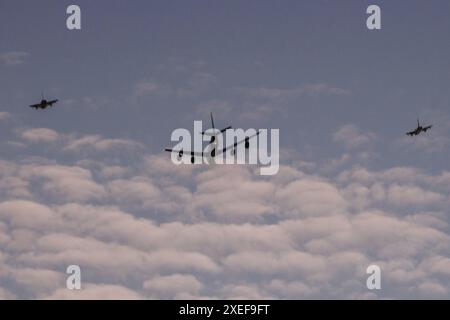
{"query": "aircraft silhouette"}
(44, 103)
(213, 151)
(419, 129)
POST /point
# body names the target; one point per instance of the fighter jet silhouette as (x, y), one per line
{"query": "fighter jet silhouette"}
(44, 103)
(419, 129)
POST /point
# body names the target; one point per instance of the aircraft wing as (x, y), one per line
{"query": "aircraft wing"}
(186, 152)
(210, 134)
(237, 143)
(52, 102)
(35, 106)
(413, 133)
(427, 128)
(225, 129)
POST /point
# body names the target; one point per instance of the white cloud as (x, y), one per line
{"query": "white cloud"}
(292, 263)
(137, 190)
(158, 231)
(433, 288)
(413, 196)
(6, 295)
(310, 197)
(40, 135)
(92, 291)
(114, 171)
(17, 214)
(37, 280)
(97, 143)
(173, 286)
(352, 137)
(64, 183)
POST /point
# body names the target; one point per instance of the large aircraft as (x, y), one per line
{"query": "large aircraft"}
(212, 147)
(44, 103)
(419, 129)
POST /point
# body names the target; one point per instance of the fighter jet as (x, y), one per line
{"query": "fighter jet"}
(44, 103)
(213, 145)
(419, 129)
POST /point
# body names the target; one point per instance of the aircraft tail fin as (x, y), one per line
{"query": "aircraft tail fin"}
(212, 121)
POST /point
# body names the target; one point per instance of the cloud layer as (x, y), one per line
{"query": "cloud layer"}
(149, 229)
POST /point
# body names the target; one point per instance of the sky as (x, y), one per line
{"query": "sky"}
(87, 182)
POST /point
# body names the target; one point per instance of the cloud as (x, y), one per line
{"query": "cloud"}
(196, 84)
(315, 89)
(13, 58)
(352, 137)
(433, 288)
(310, 197)
(288, 262)
(413, 196)
(155, 230)
(40, 135)
(432, 141)
(63, 183)
(4, 115)
(150, 87)
(74, 143)
(137, 190)
(192, 85)
(173, 286)
(17, 214)
(6, 295)
(10, 184)
(36, 280)
(98, 143)
(232, 196)
(113, 171)
(95, 292)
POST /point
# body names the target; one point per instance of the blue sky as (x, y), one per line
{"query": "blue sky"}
(391, 77)
(341, 95)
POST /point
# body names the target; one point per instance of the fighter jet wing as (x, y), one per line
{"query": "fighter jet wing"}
(427, 128)
(50, 103)
(237, 143)
(36, 106)
(413, 133)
